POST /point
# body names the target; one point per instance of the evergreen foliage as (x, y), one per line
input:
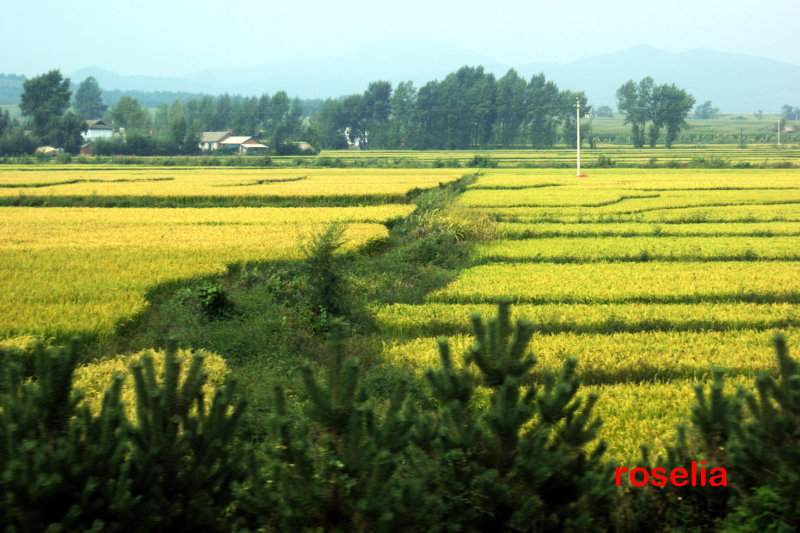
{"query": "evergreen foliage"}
(63, 468)
(326, 283)
(60, 468)
(518, 463)
(337, 470)
(754, 437)
(764, 449)
(183, 457)
(493, 449)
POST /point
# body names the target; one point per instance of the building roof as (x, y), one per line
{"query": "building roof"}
(213, 136)
(97, 125)
(238, 140)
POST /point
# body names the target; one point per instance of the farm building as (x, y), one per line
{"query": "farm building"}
(210, 140)
(242, 145)
(97, 129)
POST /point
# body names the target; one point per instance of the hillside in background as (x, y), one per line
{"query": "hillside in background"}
(734, 83)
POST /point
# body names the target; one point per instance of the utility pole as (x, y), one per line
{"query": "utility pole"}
(779, 132)
(578, 121)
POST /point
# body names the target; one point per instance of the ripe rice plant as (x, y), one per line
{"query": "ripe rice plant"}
(636, 414)
(431, 319)
(789, 212)
(528, 230)
(155, 187)
(682, 248)
(686, 282)
(622, 357)
(624, 200)
(85, 271)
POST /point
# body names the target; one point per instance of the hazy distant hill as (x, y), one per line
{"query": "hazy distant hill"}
(109, 80)
(397, 60)
(10, 88)
(734, 83)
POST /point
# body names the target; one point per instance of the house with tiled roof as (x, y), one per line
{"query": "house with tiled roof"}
(242, 145)
(97, 129)
(210, 140)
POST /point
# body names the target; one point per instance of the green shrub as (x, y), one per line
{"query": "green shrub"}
(65, 468)
(328, 292)
(604, 161)
(507, 453)
(210, 299)
(481, 161)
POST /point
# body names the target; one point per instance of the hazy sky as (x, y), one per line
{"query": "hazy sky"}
(171, 38)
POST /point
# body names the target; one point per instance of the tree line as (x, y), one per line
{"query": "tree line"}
(468, 109)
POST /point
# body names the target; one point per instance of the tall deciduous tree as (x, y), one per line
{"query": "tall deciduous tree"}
(403, 106)
(676, 104)
(510, 108)
(129, 114)
(89, 99)
(44, 99)
(706, 110)
(633, 100)
(543, 100)
(67, 134)
(5, 121)
(663, 106)
(377, 106)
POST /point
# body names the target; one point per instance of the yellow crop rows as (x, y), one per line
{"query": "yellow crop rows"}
(610, 248)
(84, 271)
(654, 282)
(216, 182)
(650, 278)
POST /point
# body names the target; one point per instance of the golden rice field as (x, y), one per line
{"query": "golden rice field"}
(789, 212)
(223, 184)
(649, 248)
(406, 320)
(655, 282)
(649, 277)
(84, 271)
(526, 230)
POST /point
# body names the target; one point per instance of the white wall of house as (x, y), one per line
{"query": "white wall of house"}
(97, 134)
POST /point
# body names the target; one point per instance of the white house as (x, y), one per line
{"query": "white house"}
(242, 145)
(97, 129)
(210, 140)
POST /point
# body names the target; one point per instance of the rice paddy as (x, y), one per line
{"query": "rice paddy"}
(650, 277)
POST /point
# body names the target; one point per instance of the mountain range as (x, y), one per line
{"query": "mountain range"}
(734, 83)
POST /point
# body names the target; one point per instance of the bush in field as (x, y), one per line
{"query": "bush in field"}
(508, 454)
(323, 270)
(481, 161)
(64, 467)
(338, 469)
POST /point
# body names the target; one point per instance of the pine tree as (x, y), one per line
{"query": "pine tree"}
(185, 460)
(765, 449)
(338, 469)
(516, 460)
(60, 467)
(64, 469)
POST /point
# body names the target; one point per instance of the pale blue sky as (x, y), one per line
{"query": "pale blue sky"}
(169, 38)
